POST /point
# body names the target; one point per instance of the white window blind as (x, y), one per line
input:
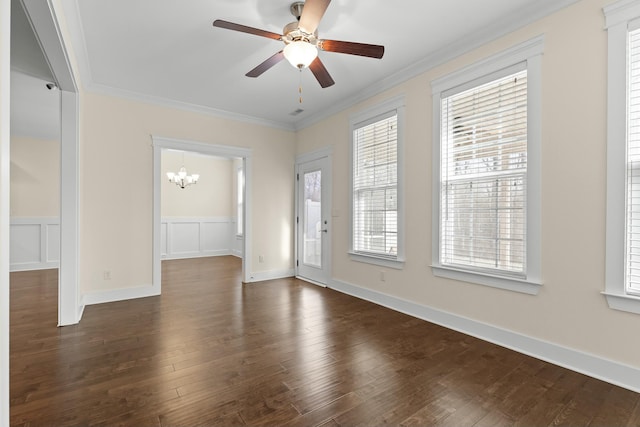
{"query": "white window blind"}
(483, 176)
(375, 188)
(633, 167)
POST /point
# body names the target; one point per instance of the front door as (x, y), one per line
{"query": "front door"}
(313, 222)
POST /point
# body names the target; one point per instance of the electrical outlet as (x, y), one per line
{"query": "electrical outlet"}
(106, 275)
(260, 258)
(382, 276)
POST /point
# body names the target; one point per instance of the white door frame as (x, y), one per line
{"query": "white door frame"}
(43, 19)
(324, 153)
(161, 143)
(5, 164)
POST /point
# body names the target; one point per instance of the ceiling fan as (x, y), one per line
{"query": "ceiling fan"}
(302, 42)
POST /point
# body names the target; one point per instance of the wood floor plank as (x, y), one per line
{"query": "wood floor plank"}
(214, 351)
(324, 414)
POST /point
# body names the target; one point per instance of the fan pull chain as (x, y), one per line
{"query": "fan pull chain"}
(300, 87)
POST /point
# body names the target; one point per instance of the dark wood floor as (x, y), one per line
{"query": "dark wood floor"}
(211, 351)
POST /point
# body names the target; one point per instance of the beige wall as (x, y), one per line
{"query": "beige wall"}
(116, 214)
(35, 177)
(211, 196)
(569, 309)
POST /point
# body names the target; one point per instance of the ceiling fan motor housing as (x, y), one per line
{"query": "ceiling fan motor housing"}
(291, 32)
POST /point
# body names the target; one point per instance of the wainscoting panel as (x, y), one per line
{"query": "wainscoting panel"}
(53, 243)
(35, 243)
(236, 244)
(184, 237)
(25, 243)
(215, 236)
(198, 237)
(163, 239)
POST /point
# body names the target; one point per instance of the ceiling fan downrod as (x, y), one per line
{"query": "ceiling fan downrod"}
(296, 9)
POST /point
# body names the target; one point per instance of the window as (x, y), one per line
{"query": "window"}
(486, 172)
(376, 195)
(483, 174)
(239, 198)
(622, 278)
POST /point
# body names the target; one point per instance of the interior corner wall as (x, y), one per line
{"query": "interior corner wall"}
(116, 206)
(35, 177)
(569, 311)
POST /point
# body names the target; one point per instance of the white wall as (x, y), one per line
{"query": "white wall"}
(569, 310)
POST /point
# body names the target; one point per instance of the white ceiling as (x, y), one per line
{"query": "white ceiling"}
(168, 51)
(35, 110)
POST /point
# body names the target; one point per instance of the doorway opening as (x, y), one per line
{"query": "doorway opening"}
(201, 218)
(164, 239)
(38, 36)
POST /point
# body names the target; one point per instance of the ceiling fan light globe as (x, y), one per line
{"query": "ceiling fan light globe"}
(300, 53)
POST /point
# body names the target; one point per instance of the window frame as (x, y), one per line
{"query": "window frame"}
(492, 68)
(621, 17)
(356, 121)
(239, 201)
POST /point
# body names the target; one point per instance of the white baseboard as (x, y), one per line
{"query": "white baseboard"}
(34, 266)
(236, 253)
(119, 295)
(203, 254)
(80, 312)
(270, 275)
(313, 282)
(594, 366)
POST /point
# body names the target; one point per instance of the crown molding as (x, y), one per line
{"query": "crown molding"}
(464, 45)
(185, 106)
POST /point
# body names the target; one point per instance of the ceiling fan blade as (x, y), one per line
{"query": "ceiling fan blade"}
(351, 48)
(244, 29)
(312, 13)
(322, 75)
(273, 60)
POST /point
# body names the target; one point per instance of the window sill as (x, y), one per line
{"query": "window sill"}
(501, 282)
(623, 302)
(397, 263)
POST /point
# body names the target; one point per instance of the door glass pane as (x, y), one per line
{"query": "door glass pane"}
(312, 220)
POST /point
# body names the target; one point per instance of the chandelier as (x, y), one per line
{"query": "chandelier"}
(181, 179)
